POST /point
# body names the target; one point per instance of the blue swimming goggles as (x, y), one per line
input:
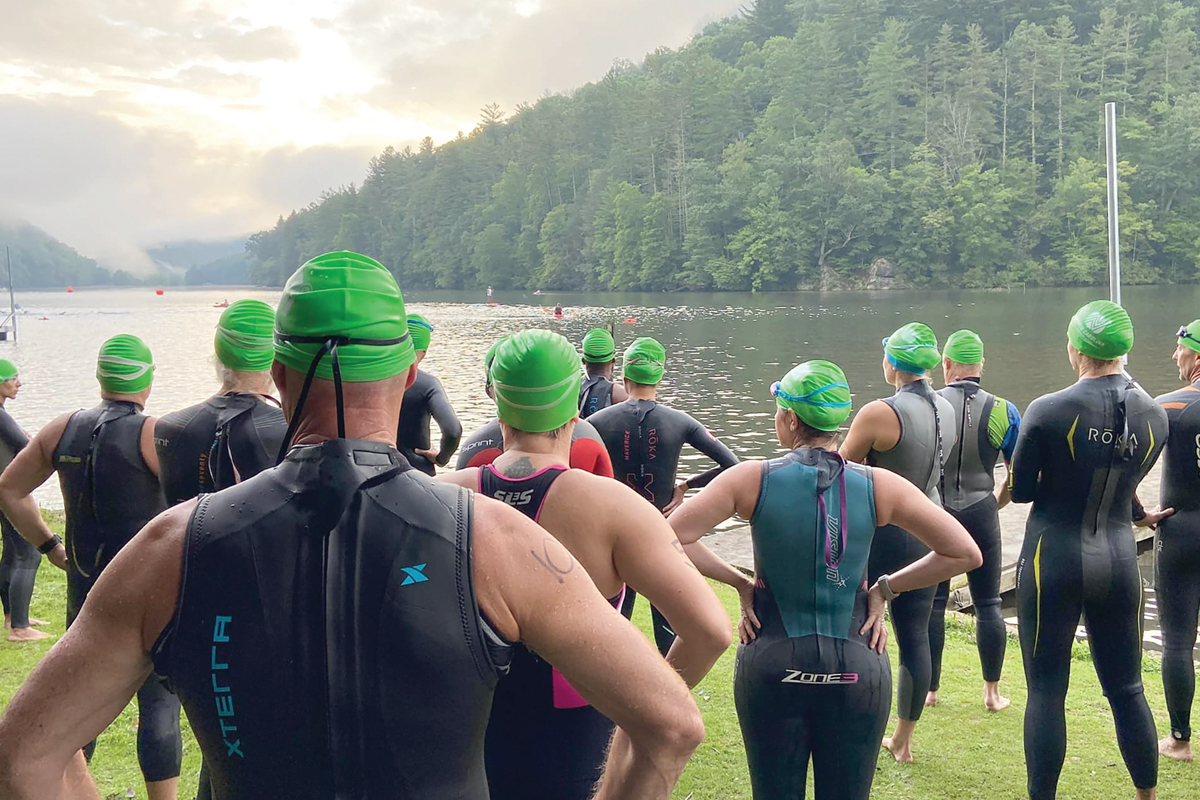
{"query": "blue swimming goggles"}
(777, 391)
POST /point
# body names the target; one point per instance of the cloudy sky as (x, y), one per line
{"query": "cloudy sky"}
(125, 123)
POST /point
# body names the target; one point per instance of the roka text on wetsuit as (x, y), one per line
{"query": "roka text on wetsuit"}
(987, 428)
(20, 560)
(1080, 455)
(212, 445)
(810, 685)
(595, 393)
(1177, 556)
(587, 449)
(644, 440)
(109, 494)
(537, 717)
(423, 400)
(927, 434)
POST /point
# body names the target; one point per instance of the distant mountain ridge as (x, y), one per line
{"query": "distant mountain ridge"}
(201, 262)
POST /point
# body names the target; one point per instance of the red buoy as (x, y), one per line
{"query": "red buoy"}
(630, 321)
(70, 288)
(158, 291)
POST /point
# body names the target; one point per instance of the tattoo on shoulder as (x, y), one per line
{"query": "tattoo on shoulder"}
(547, 560)
(521, 468)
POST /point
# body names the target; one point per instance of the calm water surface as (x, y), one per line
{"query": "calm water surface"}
(724, 350)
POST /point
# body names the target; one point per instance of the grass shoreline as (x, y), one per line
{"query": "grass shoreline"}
(961, 751)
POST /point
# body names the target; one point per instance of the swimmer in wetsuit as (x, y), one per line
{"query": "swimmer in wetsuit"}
(20, 561)
(486, 444)
(910, 433)
(108, 471)
(339, 622)
(543, 740)
(987, 429)
(812, 680)
(1080, 455)
(423, 400)
(236, 433)
(598, 390)
(1177, 549)
(644, 440)
(233, 435)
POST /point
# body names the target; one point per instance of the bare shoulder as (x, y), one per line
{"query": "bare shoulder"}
(467, 478)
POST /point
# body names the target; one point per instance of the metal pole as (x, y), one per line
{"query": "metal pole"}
(1114, 224)
(12, 303)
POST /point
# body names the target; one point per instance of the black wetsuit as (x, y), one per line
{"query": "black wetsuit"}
(327, 641)
(1177, 558)
(543, 739)
(595, 393)
(1080, 456)
(425, 399)
(926, 437)
(987, 427)
(810, 686)
(109, 494)
(644, 440)
(211, 446)
(20, 561)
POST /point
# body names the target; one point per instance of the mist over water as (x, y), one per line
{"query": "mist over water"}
(724, 350)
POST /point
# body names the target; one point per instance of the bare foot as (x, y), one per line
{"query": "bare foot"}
(37, 622)
(27, 635)
(902, 753)
(931, 699)
(1173, 748)
(996, 702)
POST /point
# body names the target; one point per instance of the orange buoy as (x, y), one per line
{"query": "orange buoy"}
(630, 321)
(70, 288)
(158, 291)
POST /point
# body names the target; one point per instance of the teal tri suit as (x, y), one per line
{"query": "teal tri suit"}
(810, 686)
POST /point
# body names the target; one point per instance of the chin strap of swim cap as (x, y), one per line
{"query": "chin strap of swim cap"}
(329, 344)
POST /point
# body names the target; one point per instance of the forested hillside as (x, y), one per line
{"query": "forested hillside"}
(39, 260)
(811, 143)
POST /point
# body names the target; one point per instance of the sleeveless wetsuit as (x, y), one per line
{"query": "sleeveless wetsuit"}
(926, 437)
(212, 445)
(644, 440)
(543, 739)
(987, 427)
(595, 393)
(1177, 558)
(109, 494)
(810, 686)
(326, 641)
(1080, 456)
(423, 400)
(587, 449)
(20, 561)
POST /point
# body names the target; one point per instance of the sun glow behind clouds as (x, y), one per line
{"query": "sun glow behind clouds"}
(527, 8)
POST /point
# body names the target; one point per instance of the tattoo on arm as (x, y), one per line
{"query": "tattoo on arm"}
(521, 468)
(547, 561)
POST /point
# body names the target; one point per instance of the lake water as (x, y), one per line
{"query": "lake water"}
(724, 350)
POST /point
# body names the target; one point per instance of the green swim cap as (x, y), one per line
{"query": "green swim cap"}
(421, 331)
(8, 370)
(536, 378)
(491, 356)
(645, 361)
(1189, 336)
(598, 347)
(1101, 330)
(818, 392)
(964, 347)
(913, 348)
(244, 338)
(124, 365)
(352, 298)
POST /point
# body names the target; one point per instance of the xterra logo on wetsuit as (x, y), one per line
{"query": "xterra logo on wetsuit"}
(819, 678)
(223, 695)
